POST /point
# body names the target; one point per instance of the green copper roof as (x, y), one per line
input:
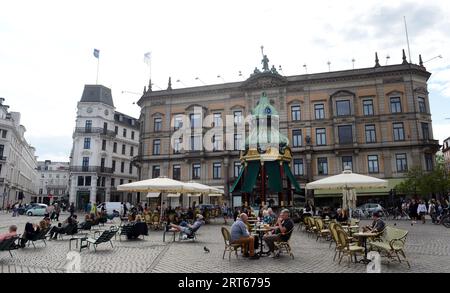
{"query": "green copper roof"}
(264, 108)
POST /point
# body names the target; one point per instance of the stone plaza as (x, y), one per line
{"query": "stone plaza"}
(427, 248)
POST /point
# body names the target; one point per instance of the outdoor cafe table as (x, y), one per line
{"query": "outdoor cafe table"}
(261, 232)
(363, 236)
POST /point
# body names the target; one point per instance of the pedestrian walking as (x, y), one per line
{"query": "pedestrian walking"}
(422, 211)
(432, 211)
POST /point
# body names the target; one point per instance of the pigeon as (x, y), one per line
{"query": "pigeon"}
(206, 249)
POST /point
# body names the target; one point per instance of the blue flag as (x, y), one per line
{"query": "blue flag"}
(96, 53)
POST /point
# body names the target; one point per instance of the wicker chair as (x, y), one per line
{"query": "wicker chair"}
(321, 232)
(391, 244)
(228, 246)
(284, 245)
(345, 248)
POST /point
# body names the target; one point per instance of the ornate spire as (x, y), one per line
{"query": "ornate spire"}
(404, 57)
(145, 90)
(169, 85)
(420, 60)
(377, 61)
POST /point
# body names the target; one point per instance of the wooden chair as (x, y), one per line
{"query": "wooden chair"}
(346, 249)
(228, 246)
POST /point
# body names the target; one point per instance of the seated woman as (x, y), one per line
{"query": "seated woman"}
(69, 226)
(341, 216)
(87, 224)
(30, 233)
(267, 219)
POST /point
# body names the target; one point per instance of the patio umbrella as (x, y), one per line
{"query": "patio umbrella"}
(201, 188)
(348, 182)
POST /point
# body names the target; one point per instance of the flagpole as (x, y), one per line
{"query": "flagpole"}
(98, 65)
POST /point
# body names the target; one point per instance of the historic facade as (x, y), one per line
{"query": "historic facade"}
(18, 163)
(53, 181)
(446, 153)
(104, 143)
(375, 120)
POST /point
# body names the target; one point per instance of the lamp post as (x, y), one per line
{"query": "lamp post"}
(438, 56)
(197, 78)
(178, 80)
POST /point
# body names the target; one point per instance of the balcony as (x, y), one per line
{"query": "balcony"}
(91, 169)
(2, 158)
(95, 130)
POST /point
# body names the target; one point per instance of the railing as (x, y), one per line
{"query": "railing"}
(93, 169)
(95, 130)
(2, 158)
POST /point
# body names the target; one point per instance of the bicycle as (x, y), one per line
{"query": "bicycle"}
(444, 218)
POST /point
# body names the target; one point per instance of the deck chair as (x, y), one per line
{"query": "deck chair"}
(105, 237)
(42, 235)
(9, 244)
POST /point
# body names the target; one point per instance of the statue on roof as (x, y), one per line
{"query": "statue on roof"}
(265, 60)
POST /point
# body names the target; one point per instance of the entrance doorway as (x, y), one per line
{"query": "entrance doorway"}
(82, 199)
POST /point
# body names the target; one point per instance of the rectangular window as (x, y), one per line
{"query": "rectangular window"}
(195, 120)
(371, 136)
(319, 111)
(102, 164)
(80, 181)
(105, 127)
(124, 148)
(103, 145)
(399, 132)
(87, 143)
(177, 145)
(237, 117)
(121, 181)
(87, 180)
(131, 151)
(196, 171)
(296, 137)
(88, 125)
(298, 167)
(217, 143)
(103, 181)
(116, 130)
(373, 164)
(396, 105)
(2, 149)
(157, 124)
(237, 142)
(156, 147)
(401, 162)
(178, 122)
(115, 147)
(422, 106)
(429, 162)
(113, 165)
(347, 162)
(85, 164)
(295, 113)
(177, 172)
(217, 120)
(425, 131)
(321, 136)
(130, 169)
(4, 132)
(343, 108)
(132, 135)
(156, 171)
(236, 169)
(368, 107)
(122, 167)
(345, 134)
(196, 143)
(124, 132)
(113, 182)
(322, 166)
(217, 170)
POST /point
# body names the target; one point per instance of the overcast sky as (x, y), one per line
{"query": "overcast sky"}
(46, 50)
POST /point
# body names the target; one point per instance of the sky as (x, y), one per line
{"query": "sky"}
(46, 50)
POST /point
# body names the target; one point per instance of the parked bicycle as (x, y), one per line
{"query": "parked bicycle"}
(444, 218)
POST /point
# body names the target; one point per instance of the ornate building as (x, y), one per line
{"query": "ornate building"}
(375, 120)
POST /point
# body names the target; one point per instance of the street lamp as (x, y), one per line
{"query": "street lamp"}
(220, 76)
(329, 66)
(178, 80)
(438, 56)
(197, 78)
(306, 68)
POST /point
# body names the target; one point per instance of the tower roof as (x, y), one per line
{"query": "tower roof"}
(97, 94)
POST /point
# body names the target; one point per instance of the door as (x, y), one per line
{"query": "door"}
(82, 199)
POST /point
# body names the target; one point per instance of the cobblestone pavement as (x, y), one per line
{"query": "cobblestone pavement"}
(428, 250)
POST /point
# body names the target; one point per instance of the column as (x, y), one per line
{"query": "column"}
(93, 195)
(73, 190)
(108, 194)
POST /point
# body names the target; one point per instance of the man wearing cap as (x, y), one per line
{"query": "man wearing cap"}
(282, 231)
(188, 229)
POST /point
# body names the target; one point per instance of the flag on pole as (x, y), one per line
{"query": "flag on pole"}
(96, 53)
(147, 58)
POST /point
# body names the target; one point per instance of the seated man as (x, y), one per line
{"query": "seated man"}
(189, 229)
(282, 228)
(11, 233)
(240, 235)
(69, 226)
(378, 224)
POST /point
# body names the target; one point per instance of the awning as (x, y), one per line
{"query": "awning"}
(251, 176)
(274, 176)
(153, 194)
(215, 194)
(237, 180)
(291, 177)
(194, 194)
(174, 195)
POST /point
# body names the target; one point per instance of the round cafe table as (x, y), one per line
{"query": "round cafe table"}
(261, 232)
(363, 237)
